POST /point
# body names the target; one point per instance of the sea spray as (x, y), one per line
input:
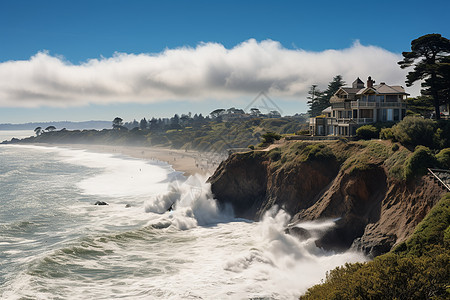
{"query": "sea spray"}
(188, 203)
(65, 247)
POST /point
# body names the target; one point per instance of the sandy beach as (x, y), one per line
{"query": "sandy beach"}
(188, 162)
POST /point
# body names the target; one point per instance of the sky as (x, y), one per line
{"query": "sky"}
(98, 59)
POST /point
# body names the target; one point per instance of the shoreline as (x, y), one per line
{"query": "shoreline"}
(184, 161)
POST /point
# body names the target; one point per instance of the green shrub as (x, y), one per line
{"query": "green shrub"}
(274, 154)
(418, 162)
(318, 152)
(367, 132)
(395, 147)
(303, 132)
(386, 134)
(251, 147)
(414, 131)
(443, 158)
(270, 137)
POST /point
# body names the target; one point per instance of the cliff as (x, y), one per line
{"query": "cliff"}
(359, 184)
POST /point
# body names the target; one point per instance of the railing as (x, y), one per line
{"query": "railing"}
(341, 105)
(364, 120)
(436, 172)
(359, 104)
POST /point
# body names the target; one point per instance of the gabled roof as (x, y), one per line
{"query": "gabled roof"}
(384, 89)
(349, 90)
(363, 91)
(388, 89)
(327, 110)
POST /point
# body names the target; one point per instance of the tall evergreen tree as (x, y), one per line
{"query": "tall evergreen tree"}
(429, 56)
(143, 124)
(315, 108)
(332, 88)
(319, 100)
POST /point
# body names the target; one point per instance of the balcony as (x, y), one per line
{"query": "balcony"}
(366, 104)
(341, 105)
(340, 121)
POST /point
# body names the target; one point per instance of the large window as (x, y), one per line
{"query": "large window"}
(390, 114)
(371, 98)
(383, 115)
(391, 98)
(396, 115)
(366, 113)
(380, 98)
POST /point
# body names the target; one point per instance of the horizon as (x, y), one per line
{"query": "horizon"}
(95, 61)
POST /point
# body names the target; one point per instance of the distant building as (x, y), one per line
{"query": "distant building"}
(358, 105)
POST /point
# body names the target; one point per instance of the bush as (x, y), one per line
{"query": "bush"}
(367, 132)
(395, 147)
(318, 152)
(418, 162)
(274, 154)
(443, 158)
(302, 132)
(386, 134)
(251, 147)
(414, 131)
(270, 137)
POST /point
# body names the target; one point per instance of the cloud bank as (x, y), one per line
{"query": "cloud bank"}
(208, 71)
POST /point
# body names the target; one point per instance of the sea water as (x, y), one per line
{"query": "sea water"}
(56, 244)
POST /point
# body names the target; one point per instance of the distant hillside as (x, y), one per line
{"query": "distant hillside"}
(59, 125)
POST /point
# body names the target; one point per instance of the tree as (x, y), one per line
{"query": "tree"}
(217, 113)
(315, 108)
(429, 56)
(143, 124)
(38, 130)
(50, 128)
(332, 88)
(117, 123)
(321, 100)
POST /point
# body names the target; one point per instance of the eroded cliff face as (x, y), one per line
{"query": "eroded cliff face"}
(373, 210)
(252, 186)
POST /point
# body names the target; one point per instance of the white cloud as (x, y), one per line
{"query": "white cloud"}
(209, 71)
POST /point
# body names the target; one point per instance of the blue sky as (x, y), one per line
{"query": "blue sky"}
(181, 44)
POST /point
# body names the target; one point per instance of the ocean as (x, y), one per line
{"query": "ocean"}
(56, 244)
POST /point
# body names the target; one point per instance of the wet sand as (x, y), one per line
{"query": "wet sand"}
(188, 162)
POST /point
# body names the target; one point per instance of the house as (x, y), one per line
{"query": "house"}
(358, 105)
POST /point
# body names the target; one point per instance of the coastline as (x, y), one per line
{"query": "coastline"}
(188, 162)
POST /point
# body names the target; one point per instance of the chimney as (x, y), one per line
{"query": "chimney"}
(370, 82)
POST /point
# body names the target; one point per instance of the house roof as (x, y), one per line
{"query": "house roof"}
(327, 110)
(384, 89)
(358, 81)
(350, 90)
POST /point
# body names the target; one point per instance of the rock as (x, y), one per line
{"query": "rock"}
(298, 232)
(100, 203)
(247, 182)
(128, 206)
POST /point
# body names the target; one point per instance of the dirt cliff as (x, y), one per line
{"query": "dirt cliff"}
(359, 185)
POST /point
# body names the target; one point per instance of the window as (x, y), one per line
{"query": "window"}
(380, 98)
(371, 98)
(391, 98)
(383, 115)
(396, 115)
(390, 114)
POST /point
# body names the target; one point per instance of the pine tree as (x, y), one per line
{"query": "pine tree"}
(429, 56)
